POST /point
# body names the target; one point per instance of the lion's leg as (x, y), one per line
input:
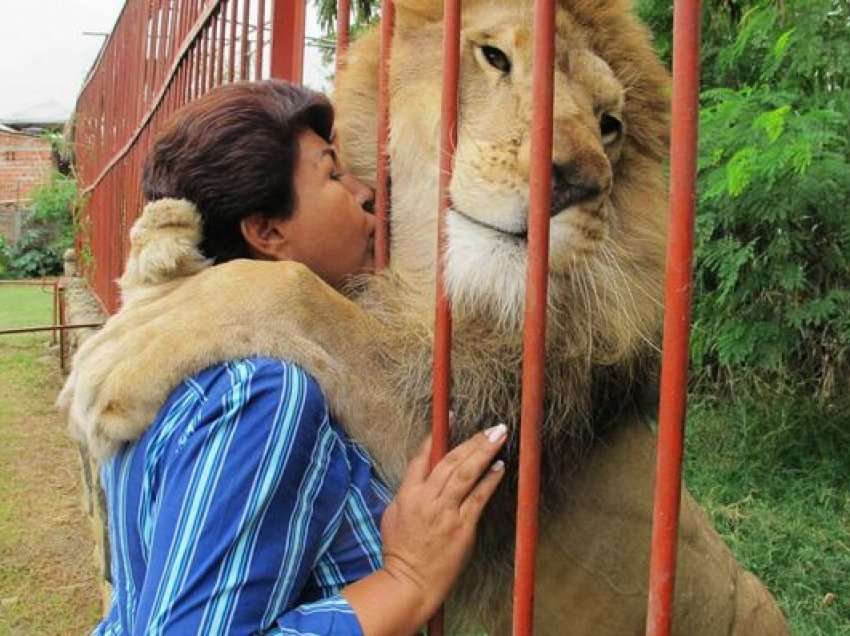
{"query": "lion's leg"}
(594, 558)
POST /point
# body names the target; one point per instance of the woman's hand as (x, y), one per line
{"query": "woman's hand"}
(429, 528)
(428, 532)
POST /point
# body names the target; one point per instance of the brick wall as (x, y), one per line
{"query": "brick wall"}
(25, 163)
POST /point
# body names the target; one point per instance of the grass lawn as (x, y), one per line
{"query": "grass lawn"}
(30, 306)
(775, 478)
(47, 574)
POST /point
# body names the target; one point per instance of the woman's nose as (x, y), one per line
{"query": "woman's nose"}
(363, 194)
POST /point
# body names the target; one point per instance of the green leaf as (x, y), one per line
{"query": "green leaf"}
(739, 171)
(773, 122)
(782, 44)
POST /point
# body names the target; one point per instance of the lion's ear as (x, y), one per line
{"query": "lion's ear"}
(415, 12)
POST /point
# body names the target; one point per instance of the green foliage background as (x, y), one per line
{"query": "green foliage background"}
(768, 436)
(772, 301)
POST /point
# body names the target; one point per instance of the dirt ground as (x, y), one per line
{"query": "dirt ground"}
(47, 570)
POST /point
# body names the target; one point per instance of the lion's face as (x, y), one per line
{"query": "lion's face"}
(609, 141)
(490, 186)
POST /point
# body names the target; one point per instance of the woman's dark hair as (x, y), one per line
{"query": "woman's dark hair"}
(233, 153)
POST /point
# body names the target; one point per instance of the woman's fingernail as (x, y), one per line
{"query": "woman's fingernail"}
(496, 433)
(498, 466)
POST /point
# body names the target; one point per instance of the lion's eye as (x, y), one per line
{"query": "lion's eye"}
(496, 58)
(611, 128)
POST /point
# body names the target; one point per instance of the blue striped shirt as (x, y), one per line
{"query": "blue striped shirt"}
(243, 509)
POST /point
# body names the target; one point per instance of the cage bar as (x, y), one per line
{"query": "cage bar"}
(243, 42)
(442, 372)
(287, 45)
(261, 27)
(221, 17)
(382, 203)
(343, 20)
(534, 333)
(677, 309)
(231, 49)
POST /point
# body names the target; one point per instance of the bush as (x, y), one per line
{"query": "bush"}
(36, 253)
(4, 257)
(772, 271)
(47, 231)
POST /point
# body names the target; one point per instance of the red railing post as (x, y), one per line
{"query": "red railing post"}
(55, 319)
(382, 203)
(442, 373)
(343, 19)
(243, 41)
(261, 38)
(534, 333)
(287, 55)
(674, 371)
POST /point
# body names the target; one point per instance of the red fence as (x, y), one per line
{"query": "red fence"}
(164, 53)
(161, 55)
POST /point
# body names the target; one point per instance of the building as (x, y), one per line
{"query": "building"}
(25, 163)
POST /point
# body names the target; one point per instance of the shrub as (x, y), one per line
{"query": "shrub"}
(772, 271)
(48, 230)
(4, 257)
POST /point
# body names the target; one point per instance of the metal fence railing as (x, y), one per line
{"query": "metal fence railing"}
(164, 53)
(161, 55)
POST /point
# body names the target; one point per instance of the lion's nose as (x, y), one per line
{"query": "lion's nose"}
(571, 187)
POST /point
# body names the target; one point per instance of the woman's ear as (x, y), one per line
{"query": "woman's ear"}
(267, 237)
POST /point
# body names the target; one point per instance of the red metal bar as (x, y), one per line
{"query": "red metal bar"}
(287, 50)
(194, 73)
(243, 43)
(442, 372)
(202, 75)
(177, 27)
(382, 203)
(221, 18)
(261, 40)
(53, 328)
(153, 38)
(231, 49)
(343, 20)
(674, 370)
(62, 338)
(534, 334)
(164, 10)
(55, 317)
(212, 31)
(28, 283)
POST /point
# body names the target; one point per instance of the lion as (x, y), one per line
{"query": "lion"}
(371, 353)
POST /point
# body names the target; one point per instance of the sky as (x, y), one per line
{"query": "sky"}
(44, 55)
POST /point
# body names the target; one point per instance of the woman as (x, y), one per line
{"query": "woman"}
(245, 508)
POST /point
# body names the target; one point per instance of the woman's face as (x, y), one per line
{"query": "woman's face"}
(330, 230)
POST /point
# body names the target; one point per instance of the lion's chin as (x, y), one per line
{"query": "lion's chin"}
(486, 267)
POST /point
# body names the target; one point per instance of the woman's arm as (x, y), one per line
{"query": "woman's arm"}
(245, 498)
(249, 495)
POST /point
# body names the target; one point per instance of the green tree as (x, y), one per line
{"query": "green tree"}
(772, 298)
